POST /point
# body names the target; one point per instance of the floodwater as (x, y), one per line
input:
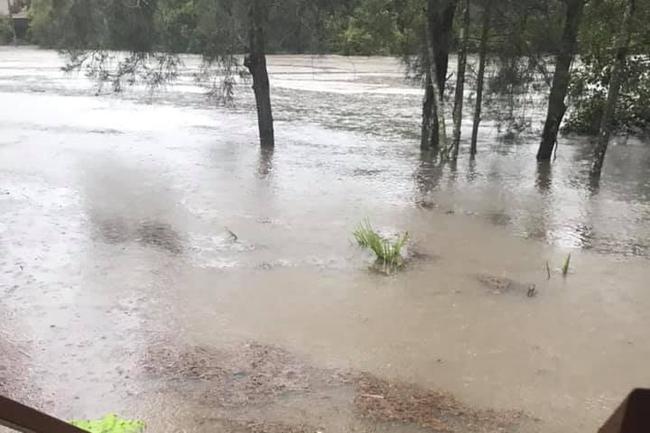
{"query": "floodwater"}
(155, 263)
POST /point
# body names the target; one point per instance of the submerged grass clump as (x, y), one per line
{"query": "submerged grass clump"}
(565, 265)
(388, 252)
(111, 423)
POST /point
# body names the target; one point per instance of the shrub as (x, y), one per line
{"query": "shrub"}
(6, 32)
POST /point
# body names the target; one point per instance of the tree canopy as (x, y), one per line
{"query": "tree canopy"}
(564, 48)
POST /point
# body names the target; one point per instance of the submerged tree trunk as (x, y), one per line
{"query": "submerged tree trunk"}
(440, 18)
(255, 61)
(481, 74)
(616, 78)
(460, 78)
(437, 106)
(561, 78)
(428, 117)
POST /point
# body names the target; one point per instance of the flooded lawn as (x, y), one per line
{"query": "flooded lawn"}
(155, 263)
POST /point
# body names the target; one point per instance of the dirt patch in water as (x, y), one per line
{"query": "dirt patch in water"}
(112, 231)
(265, 427)
(499, 285)
(261, 375)
(13, 369)
(248, 374)
(499, 219)
(416, 253)
(384, 401)
(148, 233)
(158, 235)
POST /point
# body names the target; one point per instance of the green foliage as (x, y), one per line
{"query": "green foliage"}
(94, 24)
(301, 26)
(373, 27)
(177, 21)
(221, 27)
(209, 27)
(588, 93)
(590, 79)
(361, 27)
(525, 28)
(388, 252)
(6, 32)
(67, 24)
(41, 22)
(111, 423)
(130, 28)
(370, 29)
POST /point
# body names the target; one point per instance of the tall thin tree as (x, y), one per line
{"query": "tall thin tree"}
(460, 77)
(11, 22)
(439, 24)
(561, 78)
(622, 47)
(480, 81)
(255, 61)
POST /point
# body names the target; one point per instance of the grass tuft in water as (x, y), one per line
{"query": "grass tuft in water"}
(388, 252)
(566, 265)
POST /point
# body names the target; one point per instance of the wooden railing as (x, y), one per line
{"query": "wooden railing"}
(632, 416)
(24, 419)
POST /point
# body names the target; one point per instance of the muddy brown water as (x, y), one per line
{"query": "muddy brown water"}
(124, 290)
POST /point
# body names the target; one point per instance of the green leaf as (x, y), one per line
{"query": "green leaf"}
(111, 423)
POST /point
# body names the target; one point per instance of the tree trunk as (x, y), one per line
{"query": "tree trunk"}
(460, 79)
(428, 116)
(485, 31)
(561, 78)
(616, 78)
(255, 61)
(437, 108)
(11, 22)
(440, 19)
